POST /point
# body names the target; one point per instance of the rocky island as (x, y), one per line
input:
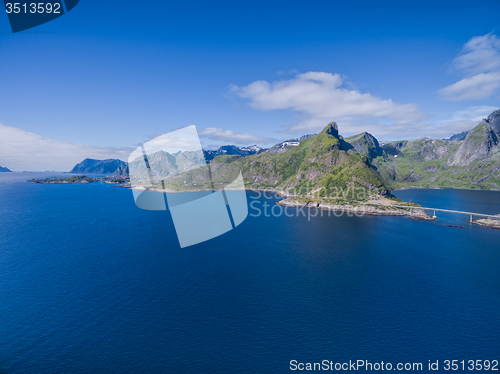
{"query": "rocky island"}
(80, 179)
(360, 208)
(489, 222)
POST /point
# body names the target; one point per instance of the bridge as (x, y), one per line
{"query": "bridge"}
(470, 214)
(440, 210)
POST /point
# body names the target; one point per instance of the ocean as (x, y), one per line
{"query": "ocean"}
(89, 283)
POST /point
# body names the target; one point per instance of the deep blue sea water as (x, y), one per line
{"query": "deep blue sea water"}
(91, 284)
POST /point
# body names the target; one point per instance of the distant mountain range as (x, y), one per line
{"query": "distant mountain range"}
(458, 137)
(232, 150)
(326, 160)
(120, 168)
(288, 144)
(4, 170)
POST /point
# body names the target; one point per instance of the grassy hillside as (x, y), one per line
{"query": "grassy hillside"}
(321, 164)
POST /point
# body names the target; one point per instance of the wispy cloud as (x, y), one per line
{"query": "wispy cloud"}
(23, 150)
(474, 113)
(233, 137)
(320, 97)
(463, 120)
(479, 64)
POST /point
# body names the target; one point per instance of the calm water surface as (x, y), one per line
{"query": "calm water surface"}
(91, 284)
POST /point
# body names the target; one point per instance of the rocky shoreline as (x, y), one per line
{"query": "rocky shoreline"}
(79, 179)
(360, 209)
(488, 222)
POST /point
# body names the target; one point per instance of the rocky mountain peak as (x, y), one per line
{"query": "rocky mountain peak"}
(365, 144)
(481, 142)
(494, 121)
(332, 129)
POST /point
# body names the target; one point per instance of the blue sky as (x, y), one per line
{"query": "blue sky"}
(115, 73)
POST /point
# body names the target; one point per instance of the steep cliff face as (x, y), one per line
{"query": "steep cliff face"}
(458, 137)
(420, 150)
(481, 142)
(494, 121)
(366, 144)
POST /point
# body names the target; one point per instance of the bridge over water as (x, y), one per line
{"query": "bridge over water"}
(442, 210)
(470, 214)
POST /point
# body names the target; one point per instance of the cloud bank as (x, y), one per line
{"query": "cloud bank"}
(479, 63)
(320, 97)
(22, 150)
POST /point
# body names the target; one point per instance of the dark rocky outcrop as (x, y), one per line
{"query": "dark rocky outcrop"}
(481, 142)
(366, 144)
(458, 137)
(305, 137)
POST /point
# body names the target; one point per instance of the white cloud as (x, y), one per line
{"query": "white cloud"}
(474, 113)
(22, 150)
(184, 139)
(232, 137)
(479, 62)
(463, 120)
(479, 55)
(321, 98)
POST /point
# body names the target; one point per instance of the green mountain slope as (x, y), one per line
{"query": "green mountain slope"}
(322, 163)
(418, 163)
